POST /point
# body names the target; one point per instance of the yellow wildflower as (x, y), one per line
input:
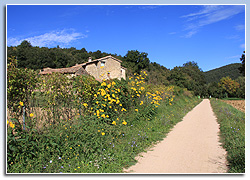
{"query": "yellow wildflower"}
(11, 124)
(124, 122)
(31, 114)
(85, 104)
(123, 109)
(21, 103)
(103, 84)
(136, 110)
(141, 103)
(114, 122)
(103, 133)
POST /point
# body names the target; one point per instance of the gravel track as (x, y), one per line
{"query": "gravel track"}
(191, 147)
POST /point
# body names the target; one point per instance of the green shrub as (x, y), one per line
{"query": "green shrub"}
(106, 124)
(20, 86)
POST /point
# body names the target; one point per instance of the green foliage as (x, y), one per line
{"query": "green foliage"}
(231, 70)
(79, 145)
(20, 86)
(232, 128)
(136, 61)
(71, 142)
(229, 86)
(157, 74)
(242, 67)
(240, 92)
(188, 76)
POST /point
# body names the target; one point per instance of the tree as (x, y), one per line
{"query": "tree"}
(214, 90)
(136, 61)
(230, 86)
(196, 78)
(242, 68)
(177, 77)
(188, 76)
(240, 92)
(23, 52)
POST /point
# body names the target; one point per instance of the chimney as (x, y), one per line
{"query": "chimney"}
(90, 59)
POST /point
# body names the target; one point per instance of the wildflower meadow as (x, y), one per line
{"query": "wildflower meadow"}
(57, 124)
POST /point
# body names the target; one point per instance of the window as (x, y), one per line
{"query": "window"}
(102, 64)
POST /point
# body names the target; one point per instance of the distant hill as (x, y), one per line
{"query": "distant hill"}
(230, 70)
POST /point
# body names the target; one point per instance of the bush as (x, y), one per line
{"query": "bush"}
(116, 121)
(20, 86)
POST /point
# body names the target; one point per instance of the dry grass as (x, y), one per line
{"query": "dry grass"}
(44, 117)
(238, 104)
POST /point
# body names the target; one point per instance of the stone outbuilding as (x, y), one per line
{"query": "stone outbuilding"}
(104, 68)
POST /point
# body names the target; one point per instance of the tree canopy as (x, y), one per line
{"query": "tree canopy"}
(188, 76)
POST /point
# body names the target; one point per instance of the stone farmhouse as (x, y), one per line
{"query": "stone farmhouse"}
(104, 68)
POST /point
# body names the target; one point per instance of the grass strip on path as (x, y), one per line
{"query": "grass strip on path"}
(232, 129)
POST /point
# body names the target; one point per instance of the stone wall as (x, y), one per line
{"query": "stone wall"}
(111, 69)
(92, 70)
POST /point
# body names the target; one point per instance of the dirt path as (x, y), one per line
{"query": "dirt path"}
(191, 147)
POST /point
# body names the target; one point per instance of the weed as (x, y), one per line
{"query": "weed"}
(232, 128)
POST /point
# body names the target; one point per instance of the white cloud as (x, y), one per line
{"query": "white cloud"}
(242, 46)
(233, 57)
(172, 33)
(210, 14)
(53, 38)
(233, 37)
(240, 27)
(13, 41)
(190, 33)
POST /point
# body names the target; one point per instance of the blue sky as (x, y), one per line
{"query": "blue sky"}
(211, 35)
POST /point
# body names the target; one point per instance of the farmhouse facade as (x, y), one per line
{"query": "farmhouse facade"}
(104, 68)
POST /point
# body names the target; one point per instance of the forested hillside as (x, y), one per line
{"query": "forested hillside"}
(231, 70)
(188, 76)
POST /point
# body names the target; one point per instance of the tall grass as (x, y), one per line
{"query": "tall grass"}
(79, 146)
(232, 128)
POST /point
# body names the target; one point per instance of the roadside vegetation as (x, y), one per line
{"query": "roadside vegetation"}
(232, 133)
(83, 126)
(56, 124)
